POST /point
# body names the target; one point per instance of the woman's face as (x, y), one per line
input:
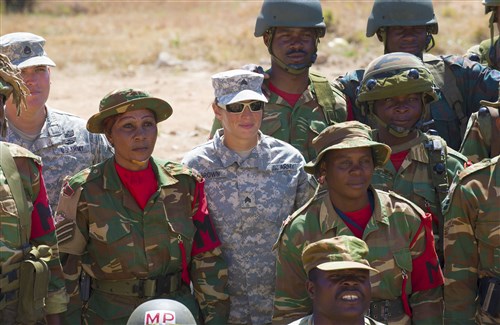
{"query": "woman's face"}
(133, 136)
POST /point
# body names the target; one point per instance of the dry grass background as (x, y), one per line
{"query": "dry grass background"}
(102, 45)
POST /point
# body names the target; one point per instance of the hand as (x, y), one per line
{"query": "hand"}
(255, 68)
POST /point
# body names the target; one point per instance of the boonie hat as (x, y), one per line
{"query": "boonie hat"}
(25, 50)
(238, 85)
(337, 253)
(347, 135)
(124, 100)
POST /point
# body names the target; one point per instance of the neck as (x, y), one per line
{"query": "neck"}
(290, 83)
(386, 137)
(240, 144)
(30, 121)
(349, 205)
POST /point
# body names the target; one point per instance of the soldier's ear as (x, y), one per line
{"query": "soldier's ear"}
(310, 288)
(217, 111)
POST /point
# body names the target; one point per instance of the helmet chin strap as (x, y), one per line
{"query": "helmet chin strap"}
(398, 131)
(295, 69)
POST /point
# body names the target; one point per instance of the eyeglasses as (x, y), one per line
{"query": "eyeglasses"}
(254, 106)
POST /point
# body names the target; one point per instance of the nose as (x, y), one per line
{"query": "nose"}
(140, 134)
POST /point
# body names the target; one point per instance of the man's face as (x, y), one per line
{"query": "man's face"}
(409, 39)
(402, 111)
(294, 45)
(348, 174)
(342, 295)
(37, 79)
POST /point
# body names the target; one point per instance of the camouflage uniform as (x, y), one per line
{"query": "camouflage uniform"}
(481, 131)
(395, 220)
(248, 200)
(430, 165)
(398, 233)
(472, 243)
(300, 124)
(65, 146)
(42, 233)
(99, 220)
(415, 178)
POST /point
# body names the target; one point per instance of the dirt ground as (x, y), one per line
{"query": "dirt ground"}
(186, 87)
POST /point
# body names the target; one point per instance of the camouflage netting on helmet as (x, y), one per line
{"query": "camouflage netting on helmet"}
(11, 83)
(396, 74)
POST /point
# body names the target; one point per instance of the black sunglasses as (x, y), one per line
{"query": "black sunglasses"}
(254, 106)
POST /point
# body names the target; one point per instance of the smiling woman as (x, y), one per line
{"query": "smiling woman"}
(134, 219)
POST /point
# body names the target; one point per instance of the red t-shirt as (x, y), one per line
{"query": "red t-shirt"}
(140, 183)
(398, 158)
(290, 98)
(361, 218)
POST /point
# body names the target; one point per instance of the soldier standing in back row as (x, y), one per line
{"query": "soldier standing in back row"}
(395, 92)
(300, 103)
(408, 26)
(472, 245)
(488, 52)
(27, 232)
(408, 289)
(480, 139)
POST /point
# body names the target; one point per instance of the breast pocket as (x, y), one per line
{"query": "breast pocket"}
(487, 233)
(111, 242)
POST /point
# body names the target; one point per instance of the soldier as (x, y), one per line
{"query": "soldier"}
(59, 138)
(488, 51)
(409, 26)
(28, 243)
(472, 245)
(338, 282)
(395, 92)
(300, 103)
(482, 130)
(253, 182)
(408, 288)
(140, 224)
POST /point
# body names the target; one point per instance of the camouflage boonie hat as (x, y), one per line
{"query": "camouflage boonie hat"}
(238, 85)
(124, 100)
(25, 50)
(347, 135)
(337, 253)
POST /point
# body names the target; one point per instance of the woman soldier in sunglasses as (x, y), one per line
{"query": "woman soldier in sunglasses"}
(252, 182)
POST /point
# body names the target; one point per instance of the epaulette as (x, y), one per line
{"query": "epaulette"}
(79, 179)
(174, 168)
(485, 163)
